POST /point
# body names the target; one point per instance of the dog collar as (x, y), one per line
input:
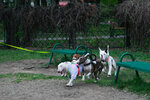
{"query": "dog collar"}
(107, 59)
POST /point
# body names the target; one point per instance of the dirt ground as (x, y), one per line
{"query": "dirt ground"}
(53, 89)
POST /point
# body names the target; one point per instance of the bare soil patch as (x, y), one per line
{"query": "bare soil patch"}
(53, 89)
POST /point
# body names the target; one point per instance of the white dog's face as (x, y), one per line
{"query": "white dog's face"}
(103, 55)
(60, 68)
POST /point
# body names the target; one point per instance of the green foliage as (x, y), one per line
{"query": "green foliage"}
(109, 2)
(108, 8)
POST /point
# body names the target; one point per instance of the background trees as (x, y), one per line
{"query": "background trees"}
(135, 15)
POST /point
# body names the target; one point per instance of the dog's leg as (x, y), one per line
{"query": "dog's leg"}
(95, 75)
(83, 77)
(70, 83)
(115, 66)
(65, 74)
(88, 75)
(62, 75)
(109, 70)
(105, 69)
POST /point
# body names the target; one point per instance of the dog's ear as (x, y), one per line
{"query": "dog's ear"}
(108, 49)
(86, 55)
(100, 49)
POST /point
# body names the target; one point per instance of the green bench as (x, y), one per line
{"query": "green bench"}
(135, 65)
(67, 51)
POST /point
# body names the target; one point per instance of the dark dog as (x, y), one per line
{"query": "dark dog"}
(92, 66)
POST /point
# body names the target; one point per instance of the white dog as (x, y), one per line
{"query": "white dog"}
(72, 68)
(106, 58)
(87, 65)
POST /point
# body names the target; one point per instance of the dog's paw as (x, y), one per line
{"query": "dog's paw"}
(108, 75)
(62, 75)
(69, 85)
(83, 79)
(97, 78)
(95, 81)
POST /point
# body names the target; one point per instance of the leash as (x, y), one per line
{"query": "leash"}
(22, 48)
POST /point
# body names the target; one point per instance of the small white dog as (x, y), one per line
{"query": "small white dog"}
(106, 58)
(72, 68)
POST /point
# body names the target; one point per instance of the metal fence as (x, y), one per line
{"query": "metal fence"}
(95, 37)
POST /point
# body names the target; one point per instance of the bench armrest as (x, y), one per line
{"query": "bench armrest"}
(80, 46)
(125, 54)
(57, 45)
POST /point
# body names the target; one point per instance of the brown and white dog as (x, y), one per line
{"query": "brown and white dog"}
(91, 66)
(75, 57)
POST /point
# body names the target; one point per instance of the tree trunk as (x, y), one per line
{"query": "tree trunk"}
(127, 40)
(10, 26)
(37, 2)
(44, 3)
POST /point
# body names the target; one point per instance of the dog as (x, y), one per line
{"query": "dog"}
(106, 58)
(73, 69)
(92, 66)
(75, 57)
(87, 68)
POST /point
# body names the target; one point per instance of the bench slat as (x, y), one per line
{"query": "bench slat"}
(136, 65)
(68, 51)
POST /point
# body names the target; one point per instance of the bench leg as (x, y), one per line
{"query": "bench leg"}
(117, 73)
(137, 74)
(51, 56)
(65, 57)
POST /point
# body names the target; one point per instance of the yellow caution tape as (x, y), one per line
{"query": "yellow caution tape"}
(23, 48)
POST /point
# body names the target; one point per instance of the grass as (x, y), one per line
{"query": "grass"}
(15, 55)
(19, 77)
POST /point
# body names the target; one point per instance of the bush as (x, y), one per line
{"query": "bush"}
(136, 17)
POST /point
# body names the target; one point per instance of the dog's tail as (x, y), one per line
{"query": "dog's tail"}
(92, 57)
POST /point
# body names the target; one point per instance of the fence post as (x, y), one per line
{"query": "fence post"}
(72, 39)
(128, 44)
